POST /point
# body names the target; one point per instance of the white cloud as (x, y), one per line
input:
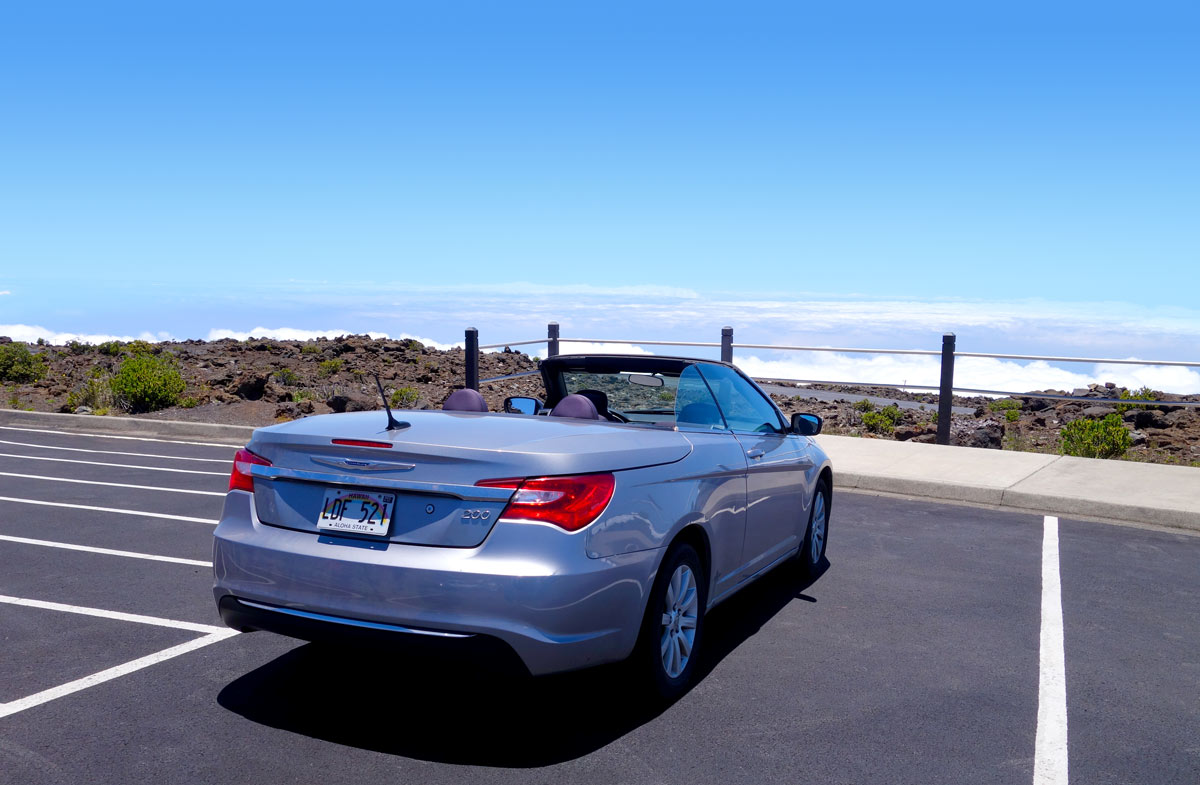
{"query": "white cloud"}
(582, 347)
(31, 333)
(430, 342)
(5, 292)
(980, 373)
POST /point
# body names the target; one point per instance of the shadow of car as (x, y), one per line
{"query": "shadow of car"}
(457, 713)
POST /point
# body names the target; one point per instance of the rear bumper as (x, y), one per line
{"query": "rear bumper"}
(248, 616)
(529, 588)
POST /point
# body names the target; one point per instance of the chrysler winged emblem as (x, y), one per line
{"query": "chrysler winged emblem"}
(357, 465)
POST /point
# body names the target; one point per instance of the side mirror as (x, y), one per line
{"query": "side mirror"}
(519, 404)
(806, 424)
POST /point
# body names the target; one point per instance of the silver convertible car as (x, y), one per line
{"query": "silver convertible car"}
(599, 526)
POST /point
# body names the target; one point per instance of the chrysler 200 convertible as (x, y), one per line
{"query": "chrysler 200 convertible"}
(598, 526)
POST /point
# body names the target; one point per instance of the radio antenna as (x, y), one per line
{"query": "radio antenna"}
(393, 423)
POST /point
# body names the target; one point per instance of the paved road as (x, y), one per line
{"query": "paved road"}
(913, 659)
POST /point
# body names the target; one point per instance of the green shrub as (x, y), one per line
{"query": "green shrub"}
(864, 405)
(76, 347)
(142, 347)
(1144, 394)
(190, 402)
(1005, 405)
(404, 397)
(147, 382)
(327, 368)
(883, 421)
(1107, 438)
(96, 392)
(310, 348)
(286, 377)
(19, 365)
(1012, 415)
(302, 395)
(111, 348)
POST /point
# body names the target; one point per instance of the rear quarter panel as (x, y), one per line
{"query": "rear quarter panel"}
(653, 504)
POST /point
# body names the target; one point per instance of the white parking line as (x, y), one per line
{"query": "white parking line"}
(105, 551)
(128, 438)
(37, 699)
(111, 484)
(213, 634)
(1050, 745)
(191, 626)
(109, 509)
(119, 465)
(117, 452)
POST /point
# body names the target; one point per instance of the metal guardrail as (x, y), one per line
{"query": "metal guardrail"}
(946, 388)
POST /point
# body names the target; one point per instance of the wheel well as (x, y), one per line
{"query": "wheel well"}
(695, 536)
(827, 476)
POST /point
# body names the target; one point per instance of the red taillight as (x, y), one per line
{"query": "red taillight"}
(239, 478)
(567, 502)
(361, 443)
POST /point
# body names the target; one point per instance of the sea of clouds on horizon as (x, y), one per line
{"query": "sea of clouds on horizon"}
(521, 311)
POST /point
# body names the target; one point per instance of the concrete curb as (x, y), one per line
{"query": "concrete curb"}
(234, 435)
(1139, 493)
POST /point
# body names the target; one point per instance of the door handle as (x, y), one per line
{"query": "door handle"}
(755, 452)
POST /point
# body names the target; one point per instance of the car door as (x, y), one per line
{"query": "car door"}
(776, 463)
(721, 486)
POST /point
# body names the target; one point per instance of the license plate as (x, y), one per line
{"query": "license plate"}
(361, 512)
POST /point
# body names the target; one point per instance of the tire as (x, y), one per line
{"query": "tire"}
(816, 536)
(673, 628)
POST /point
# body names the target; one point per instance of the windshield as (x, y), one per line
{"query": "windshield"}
(665, 399)
(628, 393)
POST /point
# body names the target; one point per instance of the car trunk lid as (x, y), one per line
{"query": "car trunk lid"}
(428, 471)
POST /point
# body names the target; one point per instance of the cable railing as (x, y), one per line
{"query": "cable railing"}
(946, 388)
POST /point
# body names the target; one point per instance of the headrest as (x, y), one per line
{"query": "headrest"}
(465, 400)
(599, 399)
(575, 406)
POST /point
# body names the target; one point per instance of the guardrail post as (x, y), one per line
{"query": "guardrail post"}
(726, 344)
(472, 349)
(946, 393)
(552, 339)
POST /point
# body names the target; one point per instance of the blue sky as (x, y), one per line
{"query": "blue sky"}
(638, 169)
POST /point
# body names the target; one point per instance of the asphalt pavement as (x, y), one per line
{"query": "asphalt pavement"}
(914, 658)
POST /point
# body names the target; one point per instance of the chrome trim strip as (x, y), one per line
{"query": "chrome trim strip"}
(371, 625)
(471, 493)
(364, 466)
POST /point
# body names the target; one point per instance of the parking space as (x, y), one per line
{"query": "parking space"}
(44, 649)
(917, 657)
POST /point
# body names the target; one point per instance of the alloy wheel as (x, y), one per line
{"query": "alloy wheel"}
(679, 619)
(816, 536)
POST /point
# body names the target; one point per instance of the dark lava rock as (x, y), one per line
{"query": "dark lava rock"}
(907, 432)
(1034, 404)
(350, 403)
(987, 434)
(1146, 418)
(251, 386)
(1098, 412)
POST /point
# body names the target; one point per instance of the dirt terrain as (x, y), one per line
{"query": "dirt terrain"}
(260, 382)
